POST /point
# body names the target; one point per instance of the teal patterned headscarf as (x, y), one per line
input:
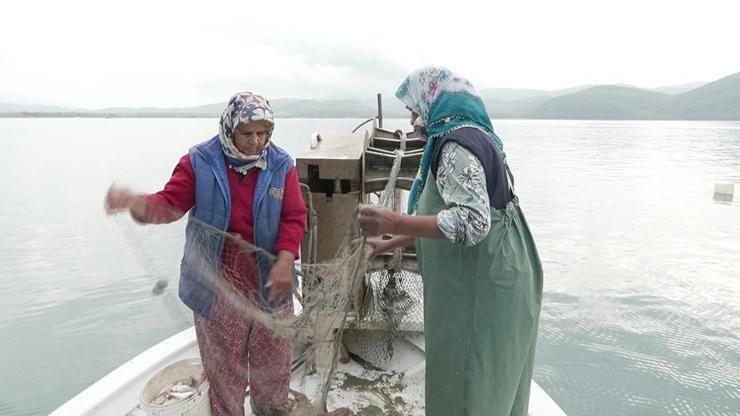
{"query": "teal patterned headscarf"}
(444, 102)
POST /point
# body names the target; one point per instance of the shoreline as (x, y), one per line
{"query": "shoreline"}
(391, 116)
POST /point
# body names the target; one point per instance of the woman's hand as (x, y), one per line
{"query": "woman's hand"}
(379, 245)
(382, 246)
(280, 279)
(122, 199)
(118, 199)
(375, 221)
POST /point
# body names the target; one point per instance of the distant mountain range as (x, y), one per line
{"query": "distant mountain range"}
(717, 100)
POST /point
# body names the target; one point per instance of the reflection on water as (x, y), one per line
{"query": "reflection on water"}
(723, 197)
(641, 260)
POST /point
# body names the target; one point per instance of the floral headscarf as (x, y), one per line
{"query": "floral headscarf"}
(244, 107)
(444, 102)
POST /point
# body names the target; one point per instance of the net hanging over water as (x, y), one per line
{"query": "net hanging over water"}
(290, 358)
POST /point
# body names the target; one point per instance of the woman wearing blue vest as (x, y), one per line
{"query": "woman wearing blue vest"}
(481, 271)
(241, 183)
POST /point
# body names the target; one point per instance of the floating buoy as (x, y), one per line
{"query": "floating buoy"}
(723, 192)
(724, 188)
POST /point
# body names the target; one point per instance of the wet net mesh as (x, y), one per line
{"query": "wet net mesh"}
(393, 304)
(277, 340)
(285, 357)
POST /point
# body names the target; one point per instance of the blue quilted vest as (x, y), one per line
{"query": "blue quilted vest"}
(202, 253)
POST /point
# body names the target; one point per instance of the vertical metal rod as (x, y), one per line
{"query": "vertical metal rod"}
(380, 111)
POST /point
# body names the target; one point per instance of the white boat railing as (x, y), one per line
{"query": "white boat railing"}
(118, 392)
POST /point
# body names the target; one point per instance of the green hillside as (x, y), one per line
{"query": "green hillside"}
(718, 100)
(606, 103)
(513, 109)
(300, 108)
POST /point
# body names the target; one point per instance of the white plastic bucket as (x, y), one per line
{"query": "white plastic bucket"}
(196, 405)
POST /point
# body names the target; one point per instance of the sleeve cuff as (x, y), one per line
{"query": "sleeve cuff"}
(280, 246)
(446, 224)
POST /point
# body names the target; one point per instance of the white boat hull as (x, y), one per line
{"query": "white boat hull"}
(117, 393)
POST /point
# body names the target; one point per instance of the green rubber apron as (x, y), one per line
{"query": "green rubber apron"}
(481, 309)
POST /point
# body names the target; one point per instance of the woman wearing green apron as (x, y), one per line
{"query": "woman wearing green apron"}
(481, 271)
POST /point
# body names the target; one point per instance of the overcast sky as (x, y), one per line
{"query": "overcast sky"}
(172, 53)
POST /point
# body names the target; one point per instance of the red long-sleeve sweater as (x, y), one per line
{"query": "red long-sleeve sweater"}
(179, 193)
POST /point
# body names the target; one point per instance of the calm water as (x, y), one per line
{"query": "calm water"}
(641, 313)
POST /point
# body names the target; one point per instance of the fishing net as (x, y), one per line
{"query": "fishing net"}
(276, 339)
(393, 305)
(289, 356)
(393, 296)
(286, 357)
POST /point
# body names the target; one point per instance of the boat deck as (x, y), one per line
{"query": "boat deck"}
(367, 391)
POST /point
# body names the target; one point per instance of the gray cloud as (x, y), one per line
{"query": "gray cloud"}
(366, 61)
(360, 60)
(367, 70)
